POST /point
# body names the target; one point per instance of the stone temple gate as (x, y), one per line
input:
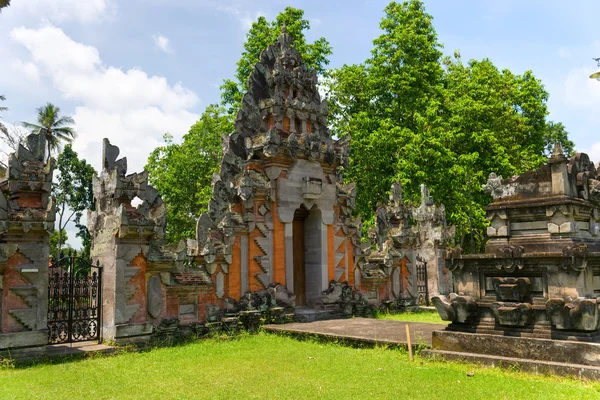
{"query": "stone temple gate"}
(278, 235)
(280, 213)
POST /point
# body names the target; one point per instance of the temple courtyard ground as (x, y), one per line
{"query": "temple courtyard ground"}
(270, 366)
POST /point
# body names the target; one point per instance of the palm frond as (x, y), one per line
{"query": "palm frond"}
(34, 128)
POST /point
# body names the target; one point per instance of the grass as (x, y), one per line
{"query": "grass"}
(428, 316)
(267, 366)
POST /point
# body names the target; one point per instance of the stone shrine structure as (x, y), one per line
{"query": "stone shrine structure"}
(26, 220)
(145, 284)
(411, 244)
(278, 236)
(534, 292)
(280, 214)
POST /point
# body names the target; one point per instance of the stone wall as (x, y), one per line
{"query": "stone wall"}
(26, 221)
(405, 236)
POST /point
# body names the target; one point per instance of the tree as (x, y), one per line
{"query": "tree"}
(56, 237)
(182, 173)
(420, 118)
(261, 35)
(72, 191)
(389, 102)
(3, 4)
(54, 126)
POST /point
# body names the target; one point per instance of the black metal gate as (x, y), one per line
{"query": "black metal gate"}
(422, 289)
(74, 300)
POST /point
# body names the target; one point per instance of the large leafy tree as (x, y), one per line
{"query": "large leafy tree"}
(261, 35)
(57, 128)
(72, 190)
(182, 172)
(390, 102)
(421, 118)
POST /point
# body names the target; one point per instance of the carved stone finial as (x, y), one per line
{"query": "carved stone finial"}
(109, 158)
(396, 194)
(36, 143)
(557, 154)
(426, 199)
(493, 186)
(557, 150)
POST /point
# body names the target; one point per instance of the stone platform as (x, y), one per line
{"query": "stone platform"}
(362, 330)
(536, 355)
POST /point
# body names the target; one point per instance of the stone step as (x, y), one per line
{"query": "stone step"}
(539, 349)
(129, 311)
(263, 279)
(315, 314)
(337, 243)
(130, 272)
(338, 258)
(533, 366)
(28, 293)
(26, 317)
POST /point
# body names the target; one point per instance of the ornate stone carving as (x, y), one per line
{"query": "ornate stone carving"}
(512, 314)
(580, 314)
(512, 289)
(510, 258)
(576, 257)
(455, 308)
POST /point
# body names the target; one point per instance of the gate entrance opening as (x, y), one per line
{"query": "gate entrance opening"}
(307, 255)
(74, 300)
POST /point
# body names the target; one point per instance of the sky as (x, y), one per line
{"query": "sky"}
(131, 70)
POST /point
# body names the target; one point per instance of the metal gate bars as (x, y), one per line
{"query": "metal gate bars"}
(74, 301)
(422, 289)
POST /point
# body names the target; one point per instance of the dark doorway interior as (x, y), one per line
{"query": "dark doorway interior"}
(299, 263)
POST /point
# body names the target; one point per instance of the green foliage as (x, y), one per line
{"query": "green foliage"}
(55, 238)
(262, 34)
(72, 190)
(4, 3)
(55, 127)
(420, 118)
(182, 173)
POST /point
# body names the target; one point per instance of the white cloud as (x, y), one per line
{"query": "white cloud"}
(27, 70)
(243, 16)
(64, 10)
(129, 107)
(162, 43)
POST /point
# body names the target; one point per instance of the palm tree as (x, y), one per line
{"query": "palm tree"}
(54, 126)
(4, 3)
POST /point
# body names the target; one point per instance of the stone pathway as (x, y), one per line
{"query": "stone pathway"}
(65, 349)
(366, 330)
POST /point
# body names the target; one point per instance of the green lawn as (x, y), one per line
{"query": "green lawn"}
(420, 316)
(273, 367)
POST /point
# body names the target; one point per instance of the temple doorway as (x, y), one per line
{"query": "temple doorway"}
(307, 255)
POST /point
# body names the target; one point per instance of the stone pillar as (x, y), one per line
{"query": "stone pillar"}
(122, 238)
(26, 220)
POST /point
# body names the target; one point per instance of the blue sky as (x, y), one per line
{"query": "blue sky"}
(131, 70)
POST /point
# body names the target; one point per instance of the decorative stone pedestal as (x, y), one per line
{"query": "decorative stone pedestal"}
(532, 298)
